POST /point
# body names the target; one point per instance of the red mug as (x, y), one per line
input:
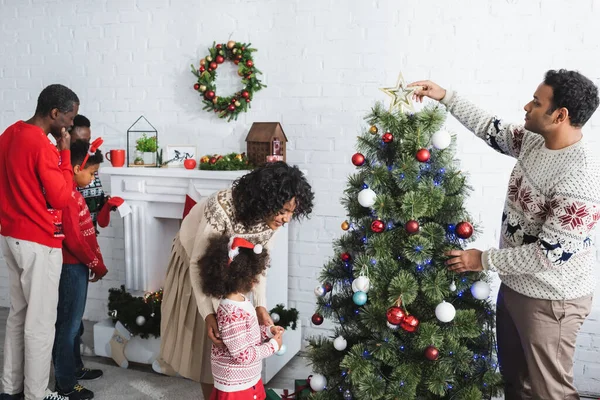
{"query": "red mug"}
(116, 157)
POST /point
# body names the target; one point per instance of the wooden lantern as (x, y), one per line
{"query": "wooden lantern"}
(260, 141)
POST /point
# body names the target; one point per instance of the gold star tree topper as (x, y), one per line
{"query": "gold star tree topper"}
(401, 95)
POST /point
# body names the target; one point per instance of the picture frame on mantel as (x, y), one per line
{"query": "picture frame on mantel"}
(177, 154)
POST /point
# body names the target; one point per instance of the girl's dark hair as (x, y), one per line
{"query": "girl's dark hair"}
(263, 192)
(220, 278)
(79, 149)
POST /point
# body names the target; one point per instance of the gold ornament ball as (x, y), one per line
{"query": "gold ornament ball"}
(215, 100)
(235, 51)
(345, 225)
(237, 104)
(202, 88)
(208, 58)
(231, 44)
(373, 129)
(203, 62)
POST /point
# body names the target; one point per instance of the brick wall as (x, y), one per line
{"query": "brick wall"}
(324, 61)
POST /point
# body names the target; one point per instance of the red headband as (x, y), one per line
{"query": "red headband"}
(236, 242)
(92, 150)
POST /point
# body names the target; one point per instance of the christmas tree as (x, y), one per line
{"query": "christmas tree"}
(405, 326)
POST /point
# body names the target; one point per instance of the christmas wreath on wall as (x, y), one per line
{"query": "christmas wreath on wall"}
(241, 55)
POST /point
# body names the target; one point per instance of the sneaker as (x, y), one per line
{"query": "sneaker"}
(87, 374)
(18, 396)
(50, 395)
(78, 393)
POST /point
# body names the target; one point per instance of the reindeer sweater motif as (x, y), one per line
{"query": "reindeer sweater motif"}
(551, 210)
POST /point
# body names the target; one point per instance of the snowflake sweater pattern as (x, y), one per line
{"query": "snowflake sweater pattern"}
(551, 211)
(238, 366)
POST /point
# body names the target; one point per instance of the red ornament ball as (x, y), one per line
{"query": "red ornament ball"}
(209, 95)
(245, 94)
(358, 159)
(213, 65)
(247, 100)
(395, 315)
(317, 319)
(231, 107)
(464, 230)
(387, 137)
(432, 353)
(346, 257)
(377, 226)
(219, 46)
(236, 62)
(196, 86)
(213, 160)
(423, 155)
(328, 286)
(249, 63)
(412, 226)
(202, 69)
(219, 59)
(410, 323)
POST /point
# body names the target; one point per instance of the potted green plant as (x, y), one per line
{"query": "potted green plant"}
(147, 146)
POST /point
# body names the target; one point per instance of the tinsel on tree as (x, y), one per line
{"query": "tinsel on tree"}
(405, 326)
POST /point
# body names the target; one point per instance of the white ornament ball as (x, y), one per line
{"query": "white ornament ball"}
(392, 326)
(452, 286)
(318, 382)
(366, 197)
(320, 291)
(258, 248)
(445, 312)
(281, 350)
(441, 140)
(275, 317)
(480, 290)
(340, 343)
(361, 284)
(140, 320)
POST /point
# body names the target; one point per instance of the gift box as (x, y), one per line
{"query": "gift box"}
(272, 395)
(302, 389)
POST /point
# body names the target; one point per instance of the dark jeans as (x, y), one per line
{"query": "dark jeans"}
(66, 354)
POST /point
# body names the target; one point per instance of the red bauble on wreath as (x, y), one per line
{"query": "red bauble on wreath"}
(377, 226)
(395, 315)
(432, 353)
(206, 75)
(358, 159)
(423, 155)
(464, 230)
(412, 226)
(410, 323)
(317, 319)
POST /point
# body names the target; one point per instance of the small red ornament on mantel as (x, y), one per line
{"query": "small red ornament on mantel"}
(387, 137)
(219, 46)
(213, 160)
(219, 59)
(432, 353)
(346, 257)
(317, 319)
(377, 226)
(196, 86)
(245, 94)
(464, 230)
(231, 107)
(395, 315)
(249, 63)
(213, 65)
(358, 159)
(412, 226)
(209, 95)
(410, 323)
(423, 155)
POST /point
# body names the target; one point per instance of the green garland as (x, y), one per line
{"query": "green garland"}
(227, 106)
(286, 317)
(125, 308)
(229, 162)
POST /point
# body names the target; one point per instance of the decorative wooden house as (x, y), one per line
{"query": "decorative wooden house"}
(265, 142)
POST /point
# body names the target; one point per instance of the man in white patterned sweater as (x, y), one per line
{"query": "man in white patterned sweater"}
(546, 258)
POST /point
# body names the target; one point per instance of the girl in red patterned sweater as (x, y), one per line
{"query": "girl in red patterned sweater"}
(229, 270)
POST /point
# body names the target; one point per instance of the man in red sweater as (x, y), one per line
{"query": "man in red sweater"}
(36, 182)
(81, 259)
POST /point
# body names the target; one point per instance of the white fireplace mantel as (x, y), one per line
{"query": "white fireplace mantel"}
(156, 197)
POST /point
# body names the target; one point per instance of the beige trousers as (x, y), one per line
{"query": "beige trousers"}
(34, 273)
(536, 344)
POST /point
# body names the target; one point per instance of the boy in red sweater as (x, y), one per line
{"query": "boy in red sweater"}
(35, 181)
(81, 260)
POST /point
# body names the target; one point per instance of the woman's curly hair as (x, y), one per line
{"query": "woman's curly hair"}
(219, 278)
(263, 192)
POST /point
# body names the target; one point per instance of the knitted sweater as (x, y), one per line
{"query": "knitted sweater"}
(80, 245)
(551, 210)
(94, 197)
(238, 366)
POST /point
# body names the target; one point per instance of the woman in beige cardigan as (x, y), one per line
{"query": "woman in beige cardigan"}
(257, 204)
